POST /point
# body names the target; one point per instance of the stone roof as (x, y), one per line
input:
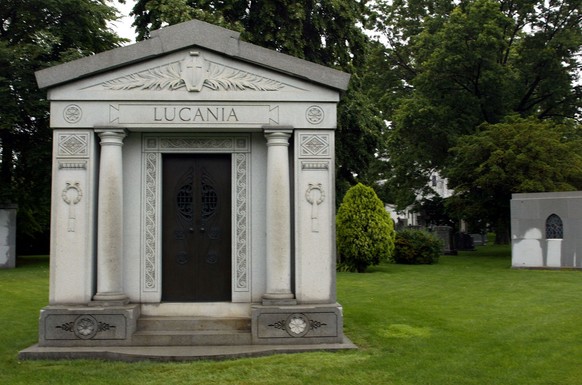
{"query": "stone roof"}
(192, 33)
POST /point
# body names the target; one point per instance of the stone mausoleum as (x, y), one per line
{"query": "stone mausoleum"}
(546, 230)
(192, 201)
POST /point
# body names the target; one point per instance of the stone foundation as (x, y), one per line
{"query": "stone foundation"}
(87, 325)
(316, 324)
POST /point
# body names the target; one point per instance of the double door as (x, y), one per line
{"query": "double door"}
(196, 228)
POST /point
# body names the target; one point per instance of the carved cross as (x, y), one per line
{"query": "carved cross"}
(193, 74)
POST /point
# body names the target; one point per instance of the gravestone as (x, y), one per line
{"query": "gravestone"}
(8, 235)
(193, 197)
(445, 233)
(464, 242)
(479, 239)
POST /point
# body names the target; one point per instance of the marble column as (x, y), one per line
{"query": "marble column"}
(278, 221)
(110, 220)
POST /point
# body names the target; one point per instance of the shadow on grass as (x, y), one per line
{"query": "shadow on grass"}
(489, 251)
(31, 261)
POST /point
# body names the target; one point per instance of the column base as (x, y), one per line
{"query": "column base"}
(282, 299)
(109, 299)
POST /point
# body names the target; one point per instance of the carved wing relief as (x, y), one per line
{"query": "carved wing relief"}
(193, 73)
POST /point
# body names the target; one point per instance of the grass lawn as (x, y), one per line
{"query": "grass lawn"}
(468, 320)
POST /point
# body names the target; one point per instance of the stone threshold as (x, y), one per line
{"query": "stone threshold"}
(173, 353)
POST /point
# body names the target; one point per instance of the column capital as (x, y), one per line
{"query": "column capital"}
(274, 130)
(111, 136)
(278, 137)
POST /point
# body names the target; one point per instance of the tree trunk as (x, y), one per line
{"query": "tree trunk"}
(502, 230)
(6, 166)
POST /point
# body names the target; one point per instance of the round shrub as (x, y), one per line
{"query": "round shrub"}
(417, 247)
(365, 231)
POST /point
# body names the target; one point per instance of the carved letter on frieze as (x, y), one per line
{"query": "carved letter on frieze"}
(315, 196)
(72, 195)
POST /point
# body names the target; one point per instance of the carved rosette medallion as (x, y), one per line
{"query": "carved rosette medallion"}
(314, 115)
(297, 325)
(72, 113)
(85, 327)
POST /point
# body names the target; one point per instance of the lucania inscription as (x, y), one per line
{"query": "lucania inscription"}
(195, 114)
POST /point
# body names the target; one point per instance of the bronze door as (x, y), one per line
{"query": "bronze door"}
(196, 228)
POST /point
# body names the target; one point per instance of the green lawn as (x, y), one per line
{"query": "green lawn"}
(468, 320)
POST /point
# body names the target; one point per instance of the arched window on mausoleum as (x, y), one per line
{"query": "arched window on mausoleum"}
(554, 227)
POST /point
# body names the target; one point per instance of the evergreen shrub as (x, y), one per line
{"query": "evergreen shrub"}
(365, 231)
(417, 247)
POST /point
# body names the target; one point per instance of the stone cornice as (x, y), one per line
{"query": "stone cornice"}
(193, 33)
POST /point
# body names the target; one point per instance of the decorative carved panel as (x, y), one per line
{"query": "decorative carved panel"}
(314, 146)
(73, 145)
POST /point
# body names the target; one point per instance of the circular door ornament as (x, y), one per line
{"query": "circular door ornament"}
(72, 113)
(182, 258)
(212, 258)
(314, 115)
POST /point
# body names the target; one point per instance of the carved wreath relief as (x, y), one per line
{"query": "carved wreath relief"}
(315, 196)
(72, 195)
(193, 73)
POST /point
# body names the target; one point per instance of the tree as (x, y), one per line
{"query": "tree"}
(466, 63)
(36, 34)
(365, 231)
(325, 32)
(515, 156)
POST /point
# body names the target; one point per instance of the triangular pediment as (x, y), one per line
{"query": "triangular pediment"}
(194, 73)
(192, 57)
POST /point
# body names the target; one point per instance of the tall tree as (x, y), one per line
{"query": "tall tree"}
(517, 155)
(463, 64)
(471, 62)
(326, 32)
(35, 34)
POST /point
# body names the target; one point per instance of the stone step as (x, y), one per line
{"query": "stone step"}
(191, 338)
(191, 324)
(192, 331)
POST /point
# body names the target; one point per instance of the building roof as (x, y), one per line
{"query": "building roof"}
(192, 33)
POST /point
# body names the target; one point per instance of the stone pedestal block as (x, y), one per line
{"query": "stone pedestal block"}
(297, 325)
(87, 326)
(8, 236)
